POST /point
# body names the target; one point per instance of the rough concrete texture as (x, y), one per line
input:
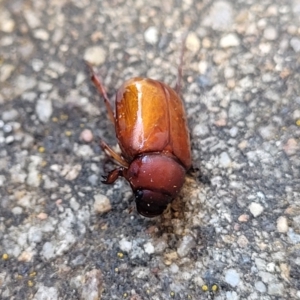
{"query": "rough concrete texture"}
(233, 233)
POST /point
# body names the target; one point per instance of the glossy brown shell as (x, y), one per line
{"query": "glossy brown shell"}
(150, 117)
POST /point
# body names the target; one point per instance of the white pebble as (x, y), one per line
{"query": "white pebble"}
(270, 33)
(229, 40)
(186, 244)
(232, 296)
(33, 178)
(295, 44)
(10, 115)
(151, 35)
(17, 210)
(84, 151)
(48, 251)
(200, 130)
(44, 110)
(282, 224)
(45, 86)
(224, 160)
(101, 204)
(260, 286)
(192, 42)
(174, 268)
(125, 245)
(233, 131)
(276, 289)
(232, 277)
(256, 209)
(95, 55)
(74, 204)
(10, 139)
(45, 292)
(148, 247)
(41, 34)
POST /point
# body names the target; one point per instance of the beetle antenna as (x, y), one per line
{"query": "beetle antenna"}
(179, 74)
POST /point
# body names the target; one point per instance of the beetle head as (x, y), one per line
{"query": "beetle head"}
(156, 180)
(150, 203)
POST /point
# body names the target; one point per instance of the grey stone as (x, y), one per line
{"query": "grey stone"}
(44, 109)
(232, 277)
(46, 293)
(185, 245)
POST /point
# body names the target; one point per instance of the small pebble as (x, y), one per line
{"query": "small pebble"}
(41, 34)
(232, 295)
(86, 136)
(95, 55)
(46, 293)
(42, 216)
(101, 204)
(92, 285)
(125, 245)
(276, 289)
(151, 35)
(84, 151)
(2, 180)
(291, 147)
(285, 271)
(220, 16)
(186, 244)
(10, 139)
(294, 237)
(224, 160)
(229, 40)
(74, 204)
(200, 130)
(7, 128)
(193, 42)
(243, 218)
(93, 179)
(33, 178)
(7, 24)
(260, 287)
(44, 109)
(148, 247)
(282, 224)
(295, 44)
(45, 86)
(242, 241)
(270, 33)
(232, 277)
(256, 209)
(17, 210)
(233, 131)
(26, 256)
(10, 115)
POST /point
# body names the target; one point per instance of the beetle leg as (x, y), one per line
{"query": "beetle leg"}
(100, 87)
(112, 176)
(113, 154)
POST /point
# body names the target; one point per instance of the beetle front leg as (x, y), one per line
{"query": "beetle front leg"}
(113, 176)
(100, 87)
(113, 154)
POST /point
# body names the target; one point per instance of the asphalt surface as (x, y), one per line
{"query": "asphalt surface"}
(234, 231)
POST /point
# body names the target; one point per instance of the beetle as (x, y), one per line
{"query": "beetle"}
(152, 132)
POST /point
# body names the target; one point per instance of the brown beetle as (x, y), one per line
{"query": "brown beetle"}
(152, 131)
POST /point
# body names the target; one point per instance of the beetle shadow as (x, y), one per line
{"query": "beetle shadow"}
(200, 176)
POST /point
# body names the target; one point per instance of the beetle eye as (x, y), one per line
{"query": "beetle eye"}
(138, 195)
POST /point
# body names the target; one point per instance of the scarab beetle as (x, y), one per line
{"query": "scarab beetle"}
(151, 128)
